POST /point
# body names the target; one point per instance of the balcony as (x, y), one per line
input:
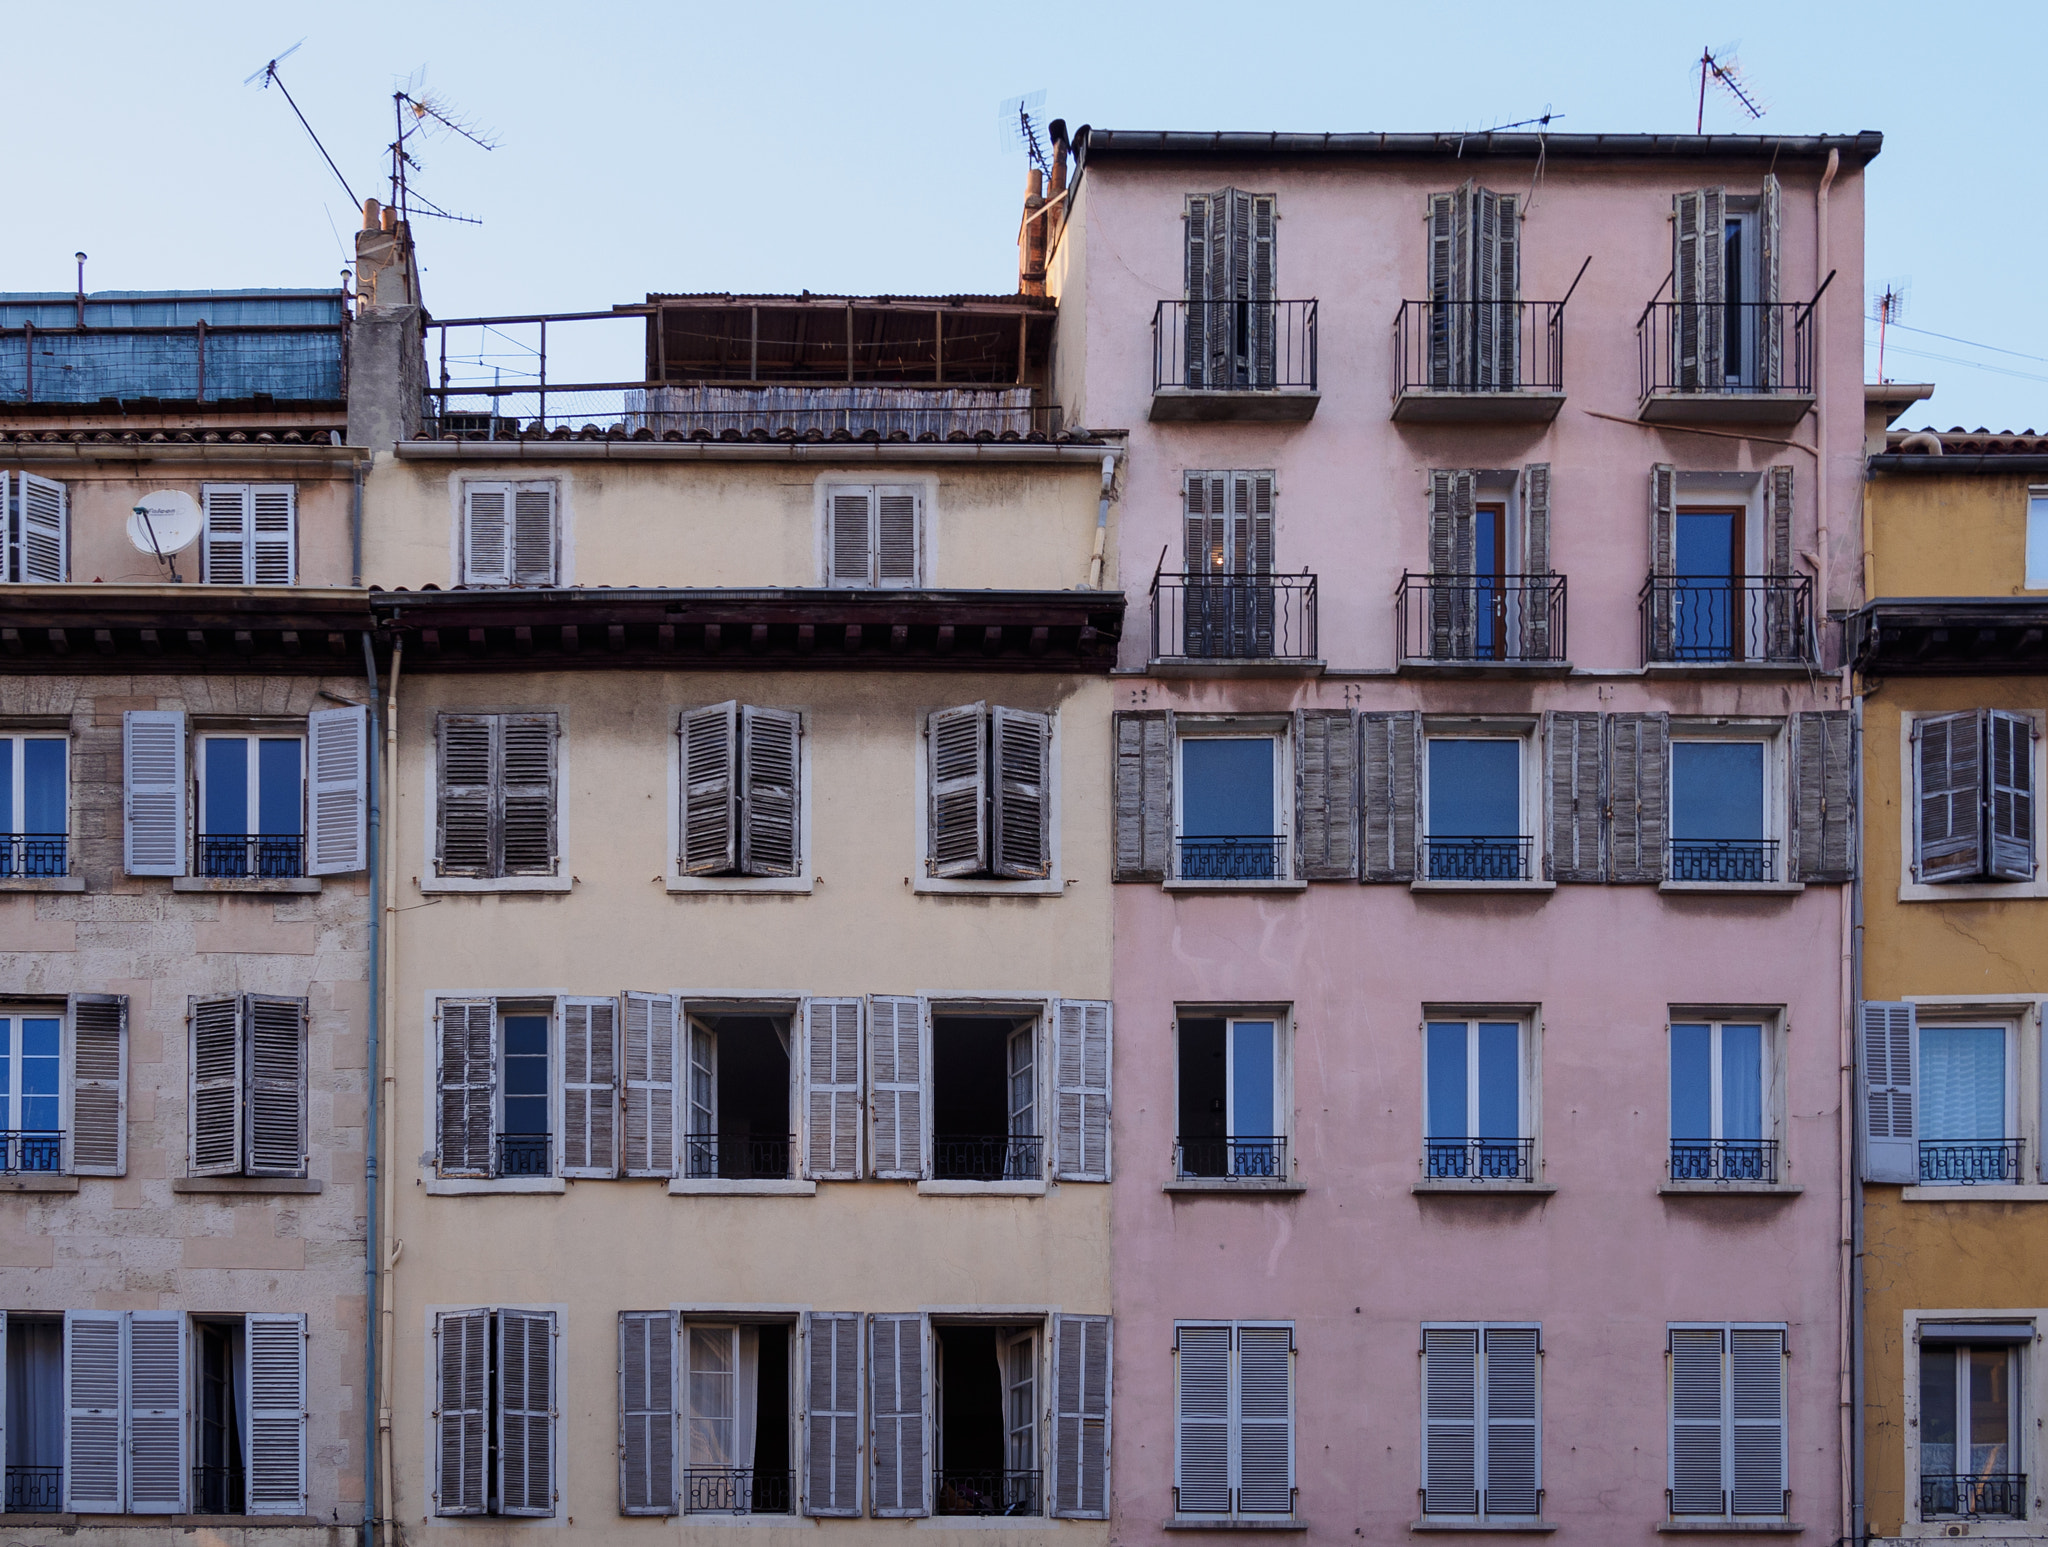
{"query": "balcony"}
(39, 1150)
(1733, 861)
(524, 1154)
(34, 856)
(217, 1490)
(1965, 1162)
(1260, 1157)
(986, 1492)
(1740, 620)
(1479, 1160)
(1463, 624)
(1484, 858)
(999, 1157)
(1478, 362)
(737, 1490)
(1734, 362)
(1724, 1160)
(1258, 624)
(738, 1157)
(1243, 360)
(1999, 1494)
(35, 1490)
(1231, 857)
(250, 856)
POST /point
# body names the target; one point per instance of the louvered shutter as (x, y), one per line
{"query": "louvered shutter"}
(1251, 561)
(851, 514)
(2009, 802)
(1446, 326)
(650, 1093)
(1450, 1421)
(1144, 794)
(896, 1377)
(708, 821)
(337, 761)
(896, 1086)
(897, 535)
(1823, 796)
(1888, 1038)
(1486, 294)
(956, 783)
(529, 795)
(275, 1041)
(1756, 1370)
(1265, 1420)
(1020, 838)
(1081, 1072)
(156, 1412)
(590, 1087)
(95, 1383)
(463, 799)
(831, 1413)
(1771, 336)
(1638, 794)
(273, 541)
(1220, 324)
(1514, 1477)
(1697, 1481)
(1465, 609)
(832, 1089)
(214, 1072)
(526, 1412)
(1201, 1430)
(1663, 558)
(467, 1087)
(1391, 750)
(1200, 216)
(1537, 644)
(770, 803)
(1264, 228)
(277, 1414)
(1698, 285)
(1326, 763)
(224, 547)
(1782, 639)
(96, 1095)
(462, 1353)
(1080, 1426)
(1948, 798)
(1571, 740)
(1449, 606)
(487, 534)
(1505, 271)
(533, 534)
(153, 792)
(647, 1413)
(44, 530)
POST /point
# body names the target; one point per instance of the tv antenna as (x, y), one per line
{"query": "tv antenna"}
(418, 111)
(269, 77)
(1887, 306)
(1019, 130)
(1720, 67)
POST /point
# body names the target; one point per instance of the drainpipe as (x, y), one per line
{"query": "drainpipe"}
(370, 1179)
(1858, 1522)
(355, 547)
(1101, 524)
(391, 1247)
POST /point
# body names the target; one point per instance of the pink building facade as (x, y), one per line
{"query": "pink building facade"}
(1484, 817)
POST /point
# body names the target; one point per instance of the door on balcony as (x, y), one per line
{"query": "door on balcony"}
(1707, 612)
(737, 1446)
(1228, 601)
(251, 806)
(1230, 242)
(1739, 354)
(1490, 623)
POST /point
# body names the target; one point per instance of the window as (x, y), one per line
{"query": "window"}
(251, 801)
(495, 795)
(1477, 1101)
(1969, 1128)
(1973, 797)
(1475, 809)
(1230, 270)
(1233, 1097)
(1474, 290)
(35, 529)
(1481, 1422)
(509, 536)
(739, 805)
(496, 1095)
(1231, 606)
(985, 1409)
(1722, 1127)
(247, 1083)
(1230, 818)
(1722, 821)
(35, 805)
(2037, 538)
(64, 1086)
(737, 1386)
(35, 1412)
(1233, 1452)
(738, 1112)
(875, 535)
(1728, 1443)
(1970, 1420)
(1726, 335)
(31, 1097)
(251, 534)
(985, 1124)
(988, 794)
(495, 1443)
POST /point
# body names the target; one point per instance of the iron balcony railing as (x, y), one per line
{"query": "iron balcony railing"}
(1481, 618)
(28, 855)
(737, 1490)
(37, 1149)
(1764, 348)
(1967, 1161)
(1231, 857)
(748, 1157)
(992, 1157)
(524, 1154)
(1728, 619)
(1975, 1493)
(1479, 1160)
(1234, 346)
(1479, 346)
(1262, 1157)
(217, 1490)
(264, 857)
(1498, 857)
(1234, 617)
(35, 1490)
(654, 411)
(986, 1492)
(1723, 859)
(1724, 1160)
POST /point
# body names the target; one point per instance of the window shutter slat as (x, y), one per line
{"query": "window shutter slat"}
(153, 792)
(1756, 1360)
(851, 539)
(896, 1086)
(1081, 1073)
(224, 551)
(277, 1414)
(1823, 796)
(897, 535)
(1889, 1044)
(590, 1086)
(1201, 1431)
(95, 1376)
(956, 777)
(2009, 802)
(156, 1412)
(1388, 759)
(1948, 831)
(896, 1377)
(1697, 1479)
(832, 1089)
(832, 1413)
(647, 1413)
(1450, 1421)
(708, 820)
(44, 528)
(533, 534)
(1513, 1434)
(462, 1353)
(528, 785)
(526, 1412)
(1020, 840)
(214, 1086)
(465, 746)
(96, 1095)
(486, 534)
(771, 805)
(1265, 1420)
(337, 761)
(467, 1093)
(1443, 321)
(273, 540)
(1326, 764)
(650, 1094)
(1080, 1436)
(1638, 791)
(1144, 794)
(274, 1037)
(1572, 845)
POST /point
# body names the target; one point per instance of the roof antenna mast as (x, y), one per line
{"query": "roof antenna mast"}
(1019, 130)
(416, 110)
(269, 77)
(1718, 65)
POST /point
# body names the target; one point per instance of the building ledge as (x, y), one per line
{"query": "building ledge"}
(42, 884)
(247, 1184)
(1215, 1185)
(1263, 405)
(1206, 666)
(965, 1189)
(32, 1182)
(1731, 1527)
(1482, 886)
(1718, 1189)
(1423, 406)
(468, 1186)
(70, 1522)
(460, 885)
(1756, 408)
(1531, 1527)
(1759, 888)
(293, 884)
(726, 1187)
(1427, 666)
(1239, 1523)
(1769, 670)
(1976, 1192)
(1490, 1189)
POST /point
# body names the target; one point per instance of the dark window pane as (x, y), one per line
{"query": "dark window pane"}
(1706, 544)
(278, 788)
(1447, 1080)
(227, 784)
(526, 1034)
(526, 1074)
(1692, 1081)
(1475, 789)
(1226, 787)
(6, 784)
(1717, 790)
(42, 800)
(1937, 1410)
(1251, 1080)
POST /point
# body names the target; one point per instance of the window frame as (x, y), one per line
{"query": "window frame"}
(430, 1405)
(927, 487)
(15, 736)
(252, 735)
(1284, 1115)
(1040, 1012)
(691, 1009)
(1234, 1423)
(1051, 884)
(1774, 1054)
(1034, 1324)
(1774, 735)
(1912, 889)
(430, 878)
(1528, 1020)
(1530, 774)
(2022, 1074)
(2029, 1394)
(673, 878)
(1279, 730)
(16, 1011)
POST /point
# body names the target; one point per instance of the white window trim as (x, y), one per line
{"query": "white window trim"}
(430, 1390)
(32, 729)
(1277, 728)
(927, 535)
(201, 734)
(1911, 890)
(674, 879)
(565, 526)
(1284, 1113)
(1052, 884)
(1040, 1008)
(429, 879)
(18, 1009)
(787, 1006)
(2032, 1391)
(1777, 796)
(1522, 728)
(1776, 1027)
(2022, 1019)
(1530, 1018)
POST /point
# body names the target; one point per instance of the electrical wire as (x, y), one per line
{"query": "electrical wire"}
(1967, 342)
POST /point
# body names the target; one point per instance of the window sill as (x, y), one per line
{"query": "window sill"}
(1283, 885)
(1766, 888)
(42, 884)
(246, 1184)
(1234, 1523)
(1975, 1192)
(1429, 666)
(38, 1183)
(285, 884)
(987, 886)
(1714, 1189)
(1492, 1189)
(1440, 1523)
(1229, 1184)
(448, 884)
(1234, 666)
(722, 1186)
(464, 1186)
(1799, 670)
(962, 1189)
(680, 885)
(1971, 891)
(1730, 1527)
(1482, 886)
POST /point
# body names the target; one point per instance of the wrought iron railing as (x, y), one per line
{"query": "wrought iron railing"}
(1234, 346)
(40, 1149)
(1479, 346)
(997, 1157)
(259, 857)
(745, 1157)
(35, 1490)
(1479, 1160)
(1965, 1161)
(28, 855)
(1765, 347)
(737, 1490)
(1723, 859)
(217, 1490)
(524, 1154)
(1762, 618)
(986, 1492)
(1481, 618)
(1974, 1493)
(1250, 1156)
(1236, 857)
(1724, 1160)
(1234, 617)
(1499, 857)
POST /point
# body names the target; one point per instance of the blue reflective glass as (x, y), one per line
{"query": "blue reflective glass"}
(1447, 1051)
(1742, 1082)
(1226, 787)
(526, 1074)
(1706, 544)
(1475, 789)
(1692, 1081)
(277, 788)
(40, 1038)
(42, 785)
(1717, 789)
(6, 784)
(1251, 1080)
(6, 1064)
(227, 785)
(1500, 1080)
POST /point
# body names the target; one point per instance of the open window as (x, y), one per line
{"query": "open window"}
(495, 1444)
(985, 1099)
(1479, 1099)
(739, 1102)
(738, 1418)
(35, 804)
(1972, 1427)
(35, 523)
(987, 813)
(986, 1404)
(1234, 1102)
(248, 1395)
(35, 1412)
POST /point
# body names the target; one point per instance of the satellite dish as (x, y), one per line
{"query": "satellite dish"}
(164, 522)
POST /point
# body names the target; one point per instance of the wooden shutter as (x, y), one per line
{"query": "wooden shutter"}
(1756, 1411)
(1144, 794)
(1663, 558)
(1823, 796)
(462, 1354)
(277, 1414)
(1020, 838)
(1778, 516)
(468, 1087)
(1194, 343)
(529, 794)
(1506, 281)
(1572, 850)
(832, 1089)
(1638, 793)
(770, 803)
(896, 1375)
(44, 530)
(956, 791)
(1782, 623)
(214, 1071)
(96, 1094)
(526, 1412)
(1450, 1421)
(273, 541)
(1698, 284)
(1448, 604)
(650, 1081)
(1486, 290)
(1226, 277)
(1771, 336)
(1888, 1038)
(275, 1040)
(2009, 796)
(1326, 779)
(707, 822)
(224, 547)
(1081, 1362)
(1265, 1420)
(832, 1414)
(1263, 277)
(1251, 556)
(1948, 797)
(851, 516)
(95, 1383)
(896, 1086)
(156, 1412)
(1391, 751)
(1697, 1480)
(153, 792)
(533, 534)
(590, 1087)
(487, 534)
(1514, 1477)
(647, 1413)
(1205, 533)
(1537, 645)
(337, 762)
(1446, 326)
(1081, 1073)
(1201, 1430)
(898, 533)
(463, 797)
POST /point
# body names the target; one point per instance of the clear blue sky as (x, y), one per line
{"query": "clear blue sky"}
(854, 148)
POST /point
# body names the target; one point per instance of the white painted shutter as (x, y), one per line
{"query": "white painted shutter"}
(831, 1098)
(96, 1094)
(1144, 795)
(153, 792)
(898, 530)
(1891, 1134)
(1638, 795)
(1326, 781)
(214, 1071)
(1948, 805)
(273, 543)
(337, 795)
(462, 1354)
(275, 1039)
(1081, 1073)
(707, 820)
(528, 791)
(526, 1412)
(896, 1086)
(1201, 1433)
(467, 1093)
(1698, 1481)
(956, 791)
(1572, 847)
(650, 1095)
(277, 1414)
(1756, 1410)
(1390, 749)
(462, 796)
(224, 550)
(1020, 843)
(770, 804)
(1514, 1477)
(648, 1477)
(44, 528)
(95, 1379)
(2009, 796)
(533, 534)
(832, 1413)
(851, 514)
(1265, 1420)
(590, 1087)
(1081, 1361)
(156, 1412)
(1450, 1421)
(486, 534)
(897, 1361)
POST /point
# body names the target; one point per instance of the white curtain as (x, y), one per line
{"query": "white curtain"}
(711, 1397)
(746, 1408)
(1962, 1082)
(238, 1361)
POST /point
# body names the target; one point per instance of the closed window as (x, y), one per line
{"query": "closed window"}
(740, 800)
(247, 1086)
(494, 1412)
(1233, 1451)
(35, 805)
(1476, 811)
(874, 536)
(510, 535)
(1482, 1433)
(1722, 1125)
(1234, 1103)
(1970, 1420)
(1969, 1119)
(2037, 538)
(35, 523)
(1973, 797)
(251, 806)
(31, 1105)
(251, 534)
(1723, 821)
(1230, 820)
(64, 1086)
(1727, 1407)
(988, 782)
(1478, 1101)
(495, 795)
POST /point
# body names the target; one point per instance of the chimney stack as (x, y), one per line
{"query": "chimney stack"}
(1031, 238)
(387, 362)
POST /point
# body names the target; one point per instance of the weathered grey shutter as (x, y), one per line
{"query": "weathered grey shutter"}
(1663, 558)
(1699, 285)
(1446, 324)
(1948, 798)
(1201, 1429)
(533, 534)
(153, 792)
(275, 1039)
(590, 1087)
(1888, 1040)
(1771, 336)
(44, 529)
(528, 786)
(1081, 1362)
(526, 1412)
(1251, 559)
(1572, 851)
(896, 1376)
(1391, 743)
(1537, 645)
(1514, 1477)
(1450, 1421)
(156, 1412)
(832, 1089)
(95, 1377)
(707, 821)
(213, 1083)
(770, 803)
(1697, 1479)
(96, 1094)
(1265, 1420)
(650, 1080)
(1638, 795)
(1451, 604)
(896, 1086)
(277, 1414)
(1081, 1075)
(1823, 796)
(1486, 290)
(1507, 293)
(1326, 763)
(850, 516)
(647, 1413)
(1263, 277)
(956, 791)
(1227, 275)
(1781, 617)
(1465, 610)
(467, 1087)
(487, 534)
(1144, 794)
(273, 541)
(463, 796)
(224, 551)
(462, 1354)
(832, 1426)
(1756, 1412)
(1020, 839)
(1194, 342)
(2009, 796)
(337, 791)
(897, 534)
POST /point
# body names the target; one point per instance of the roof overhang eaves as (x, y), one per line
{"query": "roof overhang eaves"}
(1950, 636)
(2008, 464)
(1171, 145)
(813, 453)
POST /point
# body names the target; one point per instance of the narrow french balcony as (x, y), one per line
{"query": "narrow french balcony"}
(524, 1154)
(1246, 624)
(34, 856)
(1724, 1160)
(987, 1492)
(748, 1157)
(1250, 1157)
(1469, 624)
(31, 1152)
(1479, 1160)
(35, 1490)
(998, 1157)
(1730, 861)
(1234, 359)
(1482, 858)
(1728, 620)
(1969, 1162)
(737, 1490)
(1231, 857)
(251, 856)
(1974, 1495)
(218, 1490)
(1478, 362)
(1726, 362)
